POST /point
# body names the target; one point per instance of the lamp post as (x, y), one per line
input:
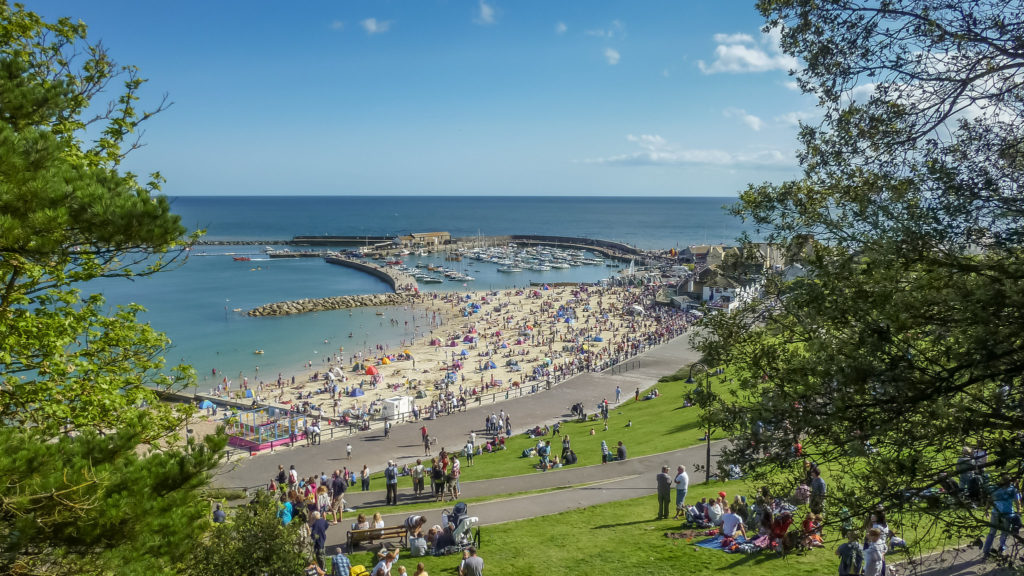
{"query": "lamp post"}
(707, 391)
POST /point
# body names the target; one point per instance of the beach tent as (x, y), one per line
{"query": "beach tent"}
(598, 339)
(248, 393)
(453, 344)
(385, 361)
(467, 338)
(504, 344)
(464, 353)
(490, 365)
(205, 404)
(356, 392)
(406, 352)
(371, 371)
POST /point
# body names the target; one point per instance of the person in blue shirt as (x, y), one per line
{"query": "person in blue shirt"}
(1005, 502)
(340, 566)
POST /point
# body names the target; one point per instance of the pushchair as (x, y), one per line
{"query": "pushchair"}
(459, 532)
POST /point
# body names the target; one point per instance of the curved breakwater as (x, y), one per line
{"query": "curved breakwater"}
(333, 303)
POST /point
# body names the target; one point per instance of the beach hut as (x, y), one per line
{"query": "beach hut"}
(396, 407)
(371, 371)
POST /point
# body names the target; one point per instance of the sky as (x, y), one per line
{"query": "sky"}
(455, 97)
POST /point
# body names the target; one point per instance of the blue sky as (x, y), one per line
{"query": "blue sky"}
(653, 98)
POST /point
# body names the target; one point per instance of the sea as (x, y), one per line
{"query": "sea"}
(200, 303)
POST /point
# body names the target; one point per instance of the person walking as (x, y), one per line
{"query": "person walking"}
(348, 450)
(682, 482)
(1005, 499)
(618, 394)
(426, 445)
(664, 492)
(874, 554)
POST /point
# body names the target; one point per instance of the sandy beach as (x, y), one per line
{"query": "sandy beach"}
(477, 342)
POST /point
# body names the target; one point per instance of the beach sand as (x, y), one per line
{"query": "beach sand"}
(561, 331)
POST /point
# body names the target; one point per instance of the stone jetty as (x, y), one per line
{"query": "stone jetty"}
(332, 303)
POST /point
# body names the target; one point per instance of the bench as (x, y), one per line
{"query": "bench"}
(356, 537)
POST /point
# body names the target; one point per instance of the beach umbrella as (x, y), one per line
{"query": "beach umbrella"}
(371, 371)
(205, 404)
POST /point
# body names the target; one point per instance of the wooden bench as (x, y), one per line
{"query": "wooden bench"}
(356, 537)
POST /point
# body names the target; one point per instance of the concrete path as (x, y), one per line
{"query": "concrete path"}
(452, 431)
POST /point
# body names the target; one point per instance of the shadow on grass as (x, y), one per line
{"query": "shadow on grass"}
(623, 524)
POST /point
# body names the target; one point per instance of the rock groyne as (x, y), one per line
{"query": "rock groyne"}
(333, 303)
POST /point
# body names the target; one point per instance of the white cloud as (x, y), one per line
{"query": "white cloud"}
(337, 25)
(733, 38)
(486, 16)
(656, 151)
(615, 28)
(374, 26)
(795, 118)
(792, 85)
(560, 28)
(738, 53)
(612, 56)
(750, 120)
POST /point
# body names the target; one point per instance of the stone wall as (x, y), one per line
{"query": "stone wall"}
(332, 303)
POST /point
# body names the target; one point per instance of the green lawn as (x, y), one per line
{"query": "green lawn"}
(659, 425)
(614, 539)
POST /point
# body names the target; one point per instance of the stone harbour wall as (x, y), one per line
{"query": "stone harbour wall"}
(333, 303)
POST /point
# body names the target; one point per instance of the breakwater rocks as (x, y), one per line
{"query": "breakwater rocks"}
(333, 303)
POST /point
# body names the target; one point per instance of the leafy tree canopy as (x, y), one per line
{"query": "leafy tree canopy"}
(903, 344)
(67, 216)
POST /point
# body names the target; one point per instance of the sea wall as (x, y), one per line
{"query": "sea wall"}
(333, 303)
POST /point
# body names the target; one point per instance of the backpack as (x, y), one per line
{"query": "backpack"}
(389, 473)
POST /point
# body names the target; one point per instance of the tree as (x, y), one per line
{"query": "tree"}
(92, 505)
(88, 487)
(68, 216)
(252, 543)
(902, 345)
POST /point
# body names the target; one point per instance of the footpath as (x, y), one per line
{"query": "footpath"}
(566, 488)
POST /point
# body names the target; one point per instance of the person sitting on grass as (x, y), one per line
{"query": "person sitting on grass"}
(732, 522)
(811, 531)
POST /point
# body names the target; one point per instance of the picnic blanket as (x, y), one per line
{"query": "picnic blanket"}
(715, 543)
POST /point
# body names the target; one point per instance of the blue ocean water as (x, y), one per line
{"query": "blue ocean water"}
(195, 304)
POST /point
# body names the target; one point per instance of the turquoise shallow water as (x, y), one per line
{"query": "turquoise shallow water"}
(194, 304)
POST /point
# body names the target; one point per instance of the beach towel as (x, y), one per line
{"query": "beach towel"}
(716, 543)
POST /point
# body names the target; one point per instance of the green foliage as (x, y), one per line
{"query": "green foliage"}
(902, 344)
(252, 543)
(67, 216)
(86, 489)
(90, 504)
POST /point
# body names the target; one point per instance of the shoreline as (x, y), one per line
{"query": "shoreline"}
(534, 338)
